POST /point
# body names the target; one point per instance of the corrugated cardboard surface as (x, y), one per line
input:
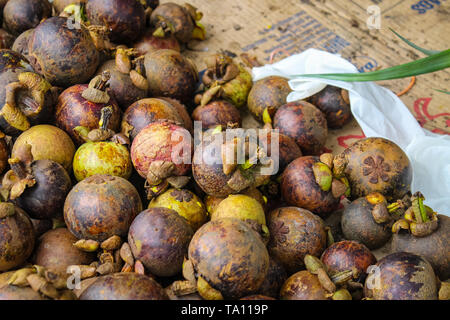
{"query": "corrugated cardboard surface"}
(259, 27)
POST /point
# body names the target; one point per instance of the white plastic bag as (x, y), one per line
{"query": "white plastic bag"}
(380, 113)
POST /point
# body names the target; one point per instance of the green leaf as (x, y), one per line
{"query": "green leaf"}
(443, 91)
(433, 63)
(425, 51)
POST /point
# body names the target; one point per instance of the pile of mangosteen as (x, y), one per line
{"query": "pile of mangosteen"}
(104, 179)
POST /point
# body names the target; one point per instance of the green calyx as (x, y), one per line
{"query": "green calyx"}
(419, 210)
(323, 175)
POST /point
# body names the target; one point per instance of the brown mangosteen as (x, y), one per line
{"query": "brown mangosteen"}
(303, 285)
(304, 123)
(143, 112)
(266, 96)
(17, 236)
(216, 169)
(346, 255)
(288, 150)
(47, 142)
(101, 206)
(6, 40)
(41, 226)
(182, 110)
(56, 251)
(294, 233)
(161, 153)
(121, 85)
(375, 165)
(39, 187)
(217, 113)
(10, 59)
(159, 238)
(20, 44)
(180, 21)
(424, 232)
(229, 257)
(124, 18)
(358, 222)
(334, 102)
(300, 187)
(185, 203)
(276, 276)
(149, 42)
(401, 276)
(26, 99)
(124, 286)
(21, 15)
(169, 74)
(81, 105)
(62, 54)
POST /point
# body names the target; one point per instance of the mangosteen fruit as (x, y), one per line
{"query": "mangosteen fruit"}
(294, 233)
(143, 112)
(230, 259)
(288, 150)
(169, 74)
(124, 18)
(185, 203)
(307, 183)
(121, 85)
(375, 165)
(39, 187)
(64, 55)
(17, 236)
(149, 42)
(104, 152)
(6, 40)
(346, 255)
(81, 105)
(216, 169)
(401, 276)
(303, 285)
(358, 222)
(180, 21)
(161, 153)
(124, 286)
(159, 238)
(20, 44)
(334, 102)
(276, 276)
(244, 208)
(304, 123)
(101, 206)
(55, 251)
(21, 15)
(217, 113)
(426, 233)
(266, 96)
(10, 59)
(47, 142)
(224, 79)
